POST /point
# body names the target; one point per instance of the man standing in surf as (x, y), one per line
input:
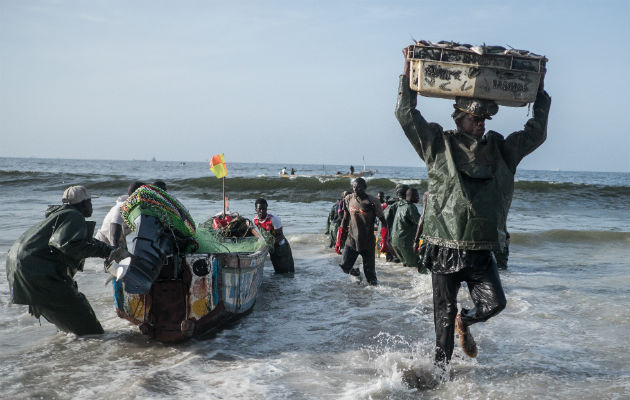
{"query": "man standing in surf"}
(355, 235)
(281, 255)
(471, 182)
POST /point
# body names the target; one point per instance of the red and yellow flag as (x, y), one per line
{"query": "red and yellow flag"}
(217, 166)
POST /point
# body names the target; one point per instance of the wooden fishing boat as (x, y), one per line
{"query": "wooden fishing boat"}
(196, 298)
(183, 283)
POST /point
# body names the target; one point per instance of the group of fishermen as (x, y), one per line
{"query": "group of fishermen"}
(470, 187)
(402, 220)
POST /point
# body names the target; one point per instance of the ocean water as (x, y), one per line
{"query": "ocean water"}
(565, 333)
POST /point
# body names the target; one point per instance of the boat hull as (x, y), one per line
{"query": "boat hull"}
(194, 295)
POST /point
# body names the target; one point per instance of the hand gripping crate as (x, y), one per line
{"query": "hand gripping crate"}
(449, 70)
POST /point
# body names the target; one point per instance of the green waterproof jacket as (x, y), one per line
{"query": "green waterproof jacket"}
(405, 224)
(390, 212)
(43, 261)
(471, 180)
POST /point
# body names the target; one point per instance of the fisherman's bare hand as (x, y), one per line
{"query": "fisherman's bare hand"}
(405, 52)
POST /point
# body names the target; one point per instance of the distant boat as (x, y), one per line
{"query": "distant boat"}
(349, 175)
(153, 159)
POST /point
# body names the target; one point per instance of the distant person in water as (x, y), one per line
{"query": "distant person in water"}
(292, 171)
(283, 171)
(352, 169)
(42, 263)
(281, 255)
(355, 235)
(113, 230)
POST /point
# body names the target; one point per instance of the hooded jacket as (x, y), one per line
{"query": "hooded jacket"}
(43, 261)
(390, 212)
(405, 224)
(404, 232)
(471, 179)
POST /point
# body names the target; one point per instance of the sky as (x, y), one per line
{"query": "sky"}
(295, 82)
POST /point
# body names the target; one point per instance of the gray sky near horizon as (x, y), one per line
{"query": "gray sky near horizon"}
(291, 81)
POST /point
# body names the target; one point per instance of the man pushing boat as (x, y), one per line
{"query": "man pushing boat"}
(42, 263)
(281, 255)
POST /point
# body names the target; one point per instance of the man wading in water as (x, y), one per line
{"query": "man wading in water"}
(281, 255)
(471, 182)
(360, 212)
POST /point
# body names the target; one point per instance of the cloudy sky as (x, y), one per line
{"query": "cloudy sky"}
(291, 81)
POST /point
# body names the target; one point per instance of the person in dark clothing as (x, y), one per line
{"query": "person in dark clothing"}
(404, 230)
(340, 206)
(42, 263)
(356, 233)
(381, 197)
(281, 255)
(471, 183)
(334, 219)
(330, 221)
(390, 213)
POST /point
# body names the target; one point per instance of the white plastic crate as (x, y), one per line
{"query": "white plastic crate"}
(509, 77)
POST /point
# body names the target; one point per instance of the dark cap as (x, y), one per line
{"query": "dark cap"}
(477, 107)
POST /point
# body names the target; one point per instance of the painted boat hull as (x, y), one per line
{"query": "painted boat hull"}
(195, 295)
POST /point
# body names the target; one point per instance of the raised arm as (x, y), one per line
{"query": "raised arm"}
(423, 136)
(521, 143)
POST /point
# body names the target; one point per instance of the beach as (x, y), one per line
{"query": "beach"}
(564, 334)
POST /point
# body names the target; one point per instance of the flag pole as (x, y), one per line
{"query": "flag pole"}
(223, 179)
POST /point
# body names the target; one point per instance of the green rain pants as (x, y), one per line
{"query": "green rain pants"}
(76, 316)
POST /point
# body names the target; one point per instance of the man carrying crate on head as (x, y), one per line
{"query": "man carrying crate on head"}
(471, 182)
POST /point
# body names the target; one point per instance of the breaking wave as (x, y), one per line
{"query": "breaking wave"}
(299, 188)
